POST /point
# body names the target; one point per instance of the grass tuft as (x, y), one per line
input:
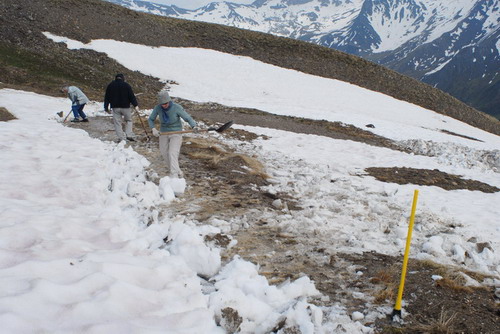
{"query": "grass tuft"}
(387, 279)
(442, 325)
(216, 155)
(453, 284)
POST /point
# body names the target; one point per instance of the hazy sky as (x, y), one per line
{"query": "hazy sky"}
(194, 4)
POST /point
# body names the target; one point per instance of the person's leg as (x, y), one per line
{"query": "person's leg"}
(164, 149)
(174, 148)
(80, 111)
(117, 122)
(74, 109)
(127, 114)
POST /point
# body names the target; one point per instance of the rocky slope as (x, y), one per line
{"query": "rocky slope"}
(29, 59)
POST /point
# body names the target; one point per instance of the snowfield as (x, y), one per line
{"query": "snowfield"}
(77, 253)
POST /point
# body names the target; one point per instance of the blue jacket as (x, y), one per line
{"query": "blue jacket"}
(174, 113)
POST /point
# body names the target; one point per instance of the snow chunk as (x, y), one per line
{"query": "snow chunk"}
(356, 316)
(171, 187)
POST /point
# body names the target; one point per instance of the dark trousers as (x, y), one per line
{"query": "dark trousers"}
(78, 110)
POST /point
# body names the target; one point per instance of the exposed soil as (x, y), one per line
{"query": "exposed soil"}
(218, 185)
(427, 177)
(213, 112)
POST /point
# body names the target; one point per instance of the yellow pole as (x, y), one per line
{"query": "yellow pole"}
(397, 307)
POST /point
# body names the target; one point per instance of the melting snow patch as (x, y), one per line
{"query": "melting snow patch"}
(455, 154)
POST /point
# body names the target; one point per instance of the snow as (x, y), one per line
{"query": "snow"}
(492, 13)
(270, 18)
(439, 67)
(78, 252)
(194, 4)
(244, 82)
(429, 21)
(395, 22)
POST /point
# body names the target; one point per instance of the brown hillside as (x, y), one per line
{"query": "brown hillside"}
(29, 59)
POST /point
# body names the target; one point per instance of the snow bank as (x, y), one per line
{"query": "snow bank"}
(82, 248)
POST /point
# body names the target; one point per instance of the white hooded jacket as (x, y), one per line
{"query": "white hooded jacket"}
(76, 96)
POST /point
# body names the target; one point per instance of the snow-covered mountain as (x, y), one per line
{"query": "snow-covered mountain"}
(92, 242)
(451, 44)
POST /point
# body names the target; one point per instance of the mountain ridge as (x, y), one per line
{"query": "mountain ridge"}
(422, 39)
(24, 22)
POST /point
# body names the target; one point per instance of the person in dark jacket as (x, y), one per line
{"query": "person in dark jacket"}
(119, 96)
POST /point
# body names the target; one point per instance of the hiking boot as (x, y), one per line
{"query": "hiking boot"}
(85, 120)
(75, 120)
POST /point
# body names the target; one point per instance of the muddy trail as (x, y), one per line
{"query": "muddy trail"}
(225, 185)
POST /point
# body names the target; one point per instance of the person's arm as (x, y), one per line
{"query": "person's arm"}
(72, 95)
(185, 116)
(151, 122)
(131, 96)
(152, 118)
(106, 99)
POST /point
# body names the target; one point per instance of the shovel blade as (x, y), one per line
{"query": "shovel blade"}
(225, 126)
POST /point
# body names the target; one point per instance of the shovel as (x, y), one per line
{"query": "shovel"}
(142, 123)
(220, 129)
(61, 114)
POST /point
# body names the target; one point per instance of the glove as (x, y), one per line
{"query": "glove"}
(136, 108)
(108, 111)
(156, 133)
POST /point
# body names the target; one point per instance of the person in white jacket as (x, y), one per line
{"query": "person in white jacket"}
(78, 102)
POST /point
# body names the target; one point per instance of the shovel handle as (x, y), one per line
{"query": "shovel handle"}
(221, 129)
(65, 118)
(184, 131)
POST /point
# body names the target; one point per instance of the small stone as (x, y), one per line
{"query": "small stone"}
(278, 204)
(482, 245)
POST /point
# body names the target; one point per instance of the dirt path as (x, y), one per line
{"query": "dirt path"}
(219, 188)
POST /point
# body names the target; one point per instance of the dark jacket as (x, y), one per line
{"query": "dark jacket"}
(119, 94)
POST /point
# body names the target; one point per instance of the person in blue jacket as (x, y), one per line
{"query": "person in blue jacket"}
(78, 102)
(171, 115)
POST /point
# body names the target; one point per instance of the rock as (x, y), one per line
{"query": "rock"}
(482, 245)
(278, 204)
(230, 320)
(219, 239)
